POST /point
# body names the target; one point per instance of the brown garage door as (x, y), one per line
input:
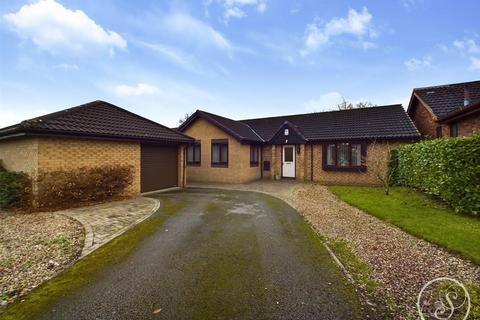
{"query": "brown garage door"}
(159, 165)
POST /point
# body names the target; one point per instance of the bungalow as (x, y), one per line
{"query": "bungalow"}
(94, 134)
(336, 147)
(449, 110)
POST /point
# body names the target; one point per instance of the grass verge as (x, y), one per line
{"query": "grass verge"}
(87, 269)
(419, 215)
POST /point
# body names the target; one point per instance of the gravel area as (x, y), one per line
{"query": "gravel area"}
(33, 248)
(399, 262)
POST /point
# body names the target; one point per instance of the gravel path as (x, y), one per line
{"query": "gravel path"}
(399, 262)
(33, 248)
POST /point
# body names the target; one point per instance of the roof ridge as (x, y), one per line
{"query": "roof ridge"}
(322, 112)
(446, 85)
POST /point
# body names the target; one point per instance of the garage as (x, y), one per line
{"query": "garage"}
(159, 167)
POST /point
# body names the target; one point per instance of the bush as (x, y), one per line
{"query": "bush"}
(65, 188)
(448, 168)
(15, 189)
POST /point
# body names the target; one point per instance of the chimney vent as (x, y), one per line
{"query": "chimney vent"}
(466, 97)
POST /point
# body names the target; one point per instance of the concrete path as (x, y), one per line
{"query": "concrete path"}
(104, 222)
(225, 255)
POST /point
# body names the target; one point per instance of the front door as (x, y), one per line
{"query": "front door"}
(288, 162)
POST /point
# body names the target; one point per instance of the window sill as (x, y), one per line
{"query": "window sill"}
(193, 164)
(345, 169)
(219, 165)
(253, 164)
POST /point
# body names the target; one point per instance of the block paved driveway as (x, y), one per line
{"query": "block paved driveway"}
(225, 255)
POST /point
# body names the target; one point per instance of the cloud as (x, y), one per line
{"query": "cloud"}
(68, 66)
(474, 63)
(140, 89)
(358, 24)
(54, 28)
(173, 54)
(414, 64)
(325, 102)
(467, 46)
(236, 8)
(195, 31)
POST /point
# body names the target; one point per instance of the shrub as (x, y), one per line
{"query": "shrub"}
(15, 189)
(65, 188)
(448, 168)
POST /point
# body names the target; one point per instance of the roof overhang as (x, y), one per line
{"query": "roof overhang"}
(461, 113)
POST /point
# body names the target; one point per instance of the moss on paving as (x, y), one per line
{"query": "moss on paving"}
(419, 215)
(88, 269)
(229, 282)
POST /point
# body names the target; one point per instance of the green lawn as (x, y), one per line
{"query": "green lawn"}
(419, 215)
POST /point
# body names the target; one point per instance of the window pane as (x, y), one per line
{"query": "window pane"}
(224, 152)
(331, 155)
(342, 156)
(215, 153)
(196, 157)
(253, 154)
(288, 154)
(190, 153)
(356, 154)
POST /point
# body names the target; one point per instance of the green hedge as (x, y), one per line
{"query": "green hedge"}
(448, 168)
(15, 189)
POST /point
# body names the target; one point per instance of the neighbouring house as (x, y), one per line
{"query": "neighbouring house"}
(336, 147)
(95, 134)
(449, 110)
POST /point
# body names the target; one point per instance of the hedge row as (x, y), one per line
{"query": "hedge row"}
(448, 168)
(15, 189)
(57, 189)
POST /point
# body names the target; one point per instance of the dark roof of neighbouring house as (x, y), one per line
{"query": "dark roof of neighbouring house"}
(384, 122)
(97, 119)
(448, 98)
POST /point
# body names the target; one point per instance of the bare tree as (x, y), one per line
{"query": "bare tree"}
(346, 105)
(184, 118)
(382, 166)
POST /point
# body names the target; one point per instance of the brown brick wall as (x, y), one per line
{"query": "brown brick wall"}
(20, 155)
(267, 156)
(67, 154)
(304, 167)
(238, 170)
(424, 121)
(469, 125)
(374, 153)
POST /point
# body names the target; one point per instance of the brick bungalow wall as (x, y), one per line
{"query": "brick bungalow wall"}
(469, 125)
(238, 171)
(374, 152)
(20, 155)
(425, 121)
(30, 155)
(67, 154)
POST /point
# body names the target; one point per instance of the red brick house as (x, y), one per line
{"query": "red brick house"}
(449, 110)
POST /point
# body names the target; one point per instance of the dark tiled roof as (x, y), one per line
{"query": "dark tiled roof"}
(448, 98)
(386, 122)
(237, 129)
(98, 119)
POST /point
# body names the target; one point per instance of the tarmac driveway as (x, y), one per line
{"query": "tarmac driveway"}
(225, 255)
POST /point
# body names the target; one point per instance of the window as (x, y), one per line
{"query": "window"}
(454, 129)
(439, 132)
(344, 156)
(193, 154)
(220, 153)
(254, 150)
